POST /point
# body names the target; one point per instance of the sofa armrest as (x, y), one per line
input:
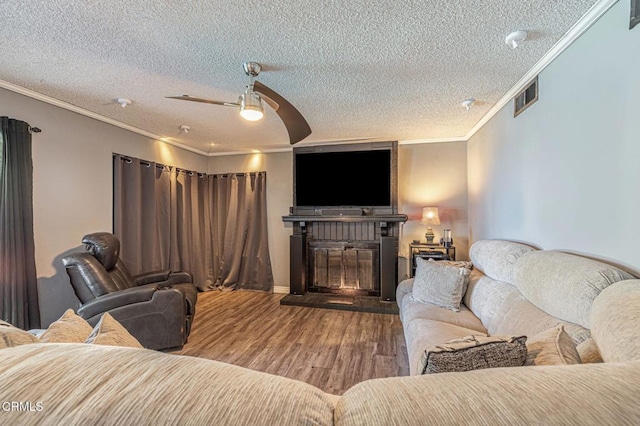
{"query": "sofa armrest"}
(151, 277)
(179, 277)
(111, 301)
(164, 277)
(578, 394)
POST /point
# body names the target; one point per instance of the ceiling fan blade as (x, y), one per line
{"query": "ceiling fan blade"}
(205, 101)
(295, 123)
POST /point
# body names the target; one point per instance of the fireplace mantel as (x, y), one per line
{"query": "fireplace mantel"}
(377, 233)
(395, 218)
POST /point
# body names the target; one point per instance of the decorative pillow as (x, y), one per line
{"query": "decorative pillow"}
(552, 347)
(110, 332)
(474, 353)
(440, 285)
(456, 263)
(11, 336)
(70, 328)
(588, 351)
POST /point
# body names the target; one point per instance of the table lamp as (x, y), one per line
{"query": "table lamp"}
(430, 217)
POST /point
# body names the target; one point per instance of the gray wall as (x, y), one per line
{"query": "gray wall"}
(433, 175)
(72, 189)
(565, 173)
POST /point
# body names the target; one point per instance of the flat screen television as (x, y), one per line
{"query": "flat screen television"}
(343, 178)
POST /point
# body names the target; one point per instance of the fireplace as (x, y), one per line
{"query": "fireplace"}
(345, 266)
(345, 254)
(345, 220)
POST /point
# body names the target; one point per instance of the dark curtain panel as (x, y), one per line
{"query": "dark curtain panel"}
(142, 214)
(19, 291)
(190, 227)
(212, 226)
(239, 224)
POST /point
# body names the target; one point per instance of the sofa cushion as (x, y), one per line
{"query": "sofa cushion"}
(614, 322)
(564, 285)
(412, 309)
(474, 353)
(439, 284)
(490, 299)
(596, 394)
(421, 334)
(11, 336)
(523, 317)
(88, 384)
(589, 352)
(110, 332)
(69, 328)
(496, 258)
(552, 347)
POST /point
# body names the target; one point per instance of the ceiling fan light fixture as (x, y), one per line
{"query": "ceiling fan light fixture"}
(251, 106)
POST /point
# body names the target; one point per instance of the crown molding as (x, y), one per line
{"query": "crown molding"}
(588, 19)
(78, 110)
(433, 140)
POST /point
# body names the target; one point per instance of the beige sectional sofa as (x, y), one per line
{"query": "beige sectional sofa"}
(514, 289)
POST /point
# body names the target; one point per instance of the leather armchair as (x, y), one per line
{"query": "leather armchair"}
(146, 304)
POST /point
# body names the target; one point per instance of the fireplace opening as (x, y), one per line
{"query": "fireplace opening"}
(344, 267)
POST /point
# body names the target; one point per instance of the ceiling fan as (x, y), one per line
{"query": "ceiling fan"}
(250, 104)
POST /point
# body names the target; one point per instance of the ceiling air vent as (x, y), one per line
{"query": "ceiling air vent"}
(635, 13)
(526, 98)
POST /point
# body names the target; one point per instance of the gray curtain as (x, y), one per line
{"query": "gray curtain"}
(142, 214)
(212, 226)
(239, 225)
(19, 291)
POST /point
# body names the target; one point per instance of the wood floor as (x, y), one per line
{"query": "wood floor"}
(327, 348)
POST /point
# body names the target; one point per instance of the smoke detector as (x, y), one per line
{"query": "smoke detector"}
(124, 102)
(468, 103)
(515, 38)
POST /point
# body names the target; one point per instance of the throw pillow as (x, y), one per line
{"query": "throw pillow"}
(456, 263)
(474, 353)
(110, 332)
(11, 336)
(588, 351)
(69, 328)
(440, 284)
(552, 347)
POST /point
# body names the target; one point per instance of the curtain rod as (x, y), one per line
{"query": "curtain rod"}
(34, 129)
(189, 172)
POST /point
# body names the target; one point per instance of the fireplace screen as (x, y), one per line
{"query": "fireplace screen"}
(343, 265)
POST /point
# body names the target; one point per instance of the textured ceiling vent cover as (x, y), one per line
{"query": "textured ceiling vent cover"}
(635, 13)
(526, 97)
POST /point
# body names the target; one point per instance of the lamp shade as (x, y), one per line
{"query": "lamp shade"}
(430, 216)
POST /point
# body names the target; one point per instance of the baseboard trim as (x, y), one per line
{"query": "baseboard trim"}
(280, 289)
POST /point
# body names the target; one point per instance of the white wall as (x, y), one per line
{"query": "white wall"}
(565, 173)
(72, 188)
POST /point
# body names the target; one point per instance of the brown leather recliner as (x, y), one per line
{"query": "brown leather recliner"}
(142, 303)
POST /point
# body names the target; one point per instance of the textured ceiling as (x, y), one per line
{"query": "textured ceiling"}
(387, 70)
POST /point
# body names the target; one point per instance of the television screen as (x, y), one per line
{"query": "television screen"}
(344, 178)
